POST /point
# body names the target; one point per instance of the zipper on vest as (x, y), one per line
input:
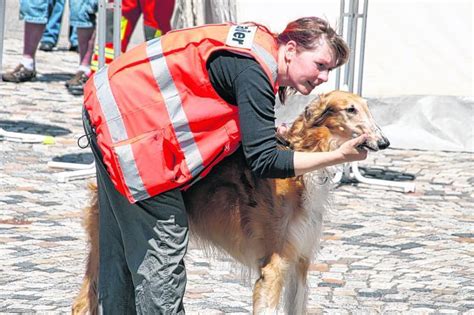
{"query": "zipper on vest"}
(134, 139)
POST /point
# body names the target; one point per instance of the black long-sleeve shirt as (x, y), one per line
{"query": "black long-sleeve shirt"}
(241, 81)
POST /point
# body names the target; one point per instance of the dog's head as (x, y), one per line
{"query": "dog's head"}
(332, 119)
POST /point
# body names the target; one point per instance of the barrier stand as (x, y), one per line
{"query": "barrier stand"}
(352, 14)
(64, 177)
(2, 32)
(116, 5)
(75, 170)
(78, 170)
(25, 137)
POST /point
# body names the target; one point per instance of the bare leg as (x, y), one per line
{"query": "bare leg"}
(25, 70)
(86, 38)
(31, 38)
(268, 288)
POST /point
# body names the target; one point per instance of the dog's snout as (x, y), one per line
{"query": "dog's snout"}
(383, 143)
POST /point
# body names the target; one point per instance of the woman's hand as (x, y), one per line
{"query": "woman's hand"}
(351, 150)
(348, 152)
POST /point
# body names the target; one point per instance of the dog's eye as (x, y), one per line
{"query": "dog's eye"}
(351, 109)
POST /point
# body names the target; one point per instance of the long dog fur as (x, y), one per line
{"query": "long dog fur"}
(271, 225)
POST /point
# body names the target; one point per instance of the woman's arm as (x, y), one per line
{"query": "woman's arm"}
(241, 81)
(304, 162)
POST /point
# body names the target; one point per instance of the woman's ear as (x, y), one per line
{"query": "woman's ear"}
(290, 50)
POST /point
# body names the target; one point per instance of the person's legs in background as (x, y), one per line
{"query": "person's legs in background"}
(131, 12)
(83, 16)
(73, 42)
(53, 27)
(156, 17)
(35, 15)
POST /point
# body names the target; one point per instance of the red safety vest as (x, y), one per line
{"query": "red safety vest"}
(159, 122)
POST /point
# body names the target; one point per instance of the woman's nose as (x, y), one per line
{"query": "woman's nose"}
(323, 76)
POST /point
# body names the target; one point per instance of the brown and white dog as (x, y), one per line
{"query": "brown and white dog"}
(271, 225)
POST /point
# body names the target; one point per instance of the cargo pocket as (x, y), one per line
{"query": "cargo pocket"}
(152, 158)
(162, 270)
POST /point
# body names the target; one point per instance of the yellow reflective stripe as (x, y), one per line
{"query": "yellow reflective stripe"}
(123, 27)
(158, 33)
(109, 52)
(107, 49)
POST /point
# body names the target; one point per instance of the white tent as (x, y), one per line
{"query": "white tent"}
(413, 47)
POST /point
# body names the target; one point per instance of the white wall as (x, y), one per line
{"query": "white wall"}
(413, 47)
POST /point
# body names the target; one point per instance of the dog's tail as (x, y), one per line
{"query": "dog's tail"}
(86, 301)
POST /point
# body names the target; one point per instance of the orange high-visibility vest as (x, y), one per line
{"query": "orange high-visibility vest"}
(159, 122)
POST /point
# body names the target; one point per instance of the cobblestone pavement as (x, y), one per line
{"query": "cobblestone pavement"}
(383, 251)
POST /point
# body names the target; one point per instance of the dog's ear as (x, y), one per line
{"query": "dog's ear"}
(312, 108)
(317, 111)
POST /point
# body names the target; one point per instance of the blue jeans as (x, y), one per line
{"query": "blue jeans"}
(82, 13)
(53, 27)
(35, 11)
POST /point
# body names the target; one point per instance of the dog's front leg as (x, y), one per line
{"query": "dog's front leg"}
(296, 289)
(268, 288)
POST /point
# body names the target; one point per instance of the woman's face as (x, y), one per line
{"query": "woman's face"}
(306, 69)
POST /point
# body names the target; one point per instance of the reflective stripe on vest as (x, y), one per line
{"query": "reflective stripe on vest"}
(174, 107)
(268, 59)
(118, 133)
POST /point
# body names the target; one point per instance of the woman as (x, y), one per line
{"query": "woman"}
(163, 114)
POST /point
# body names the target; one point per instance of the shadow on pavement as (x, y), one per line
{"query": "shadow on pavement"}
(80, 158)
(54, 77)
(30, 127)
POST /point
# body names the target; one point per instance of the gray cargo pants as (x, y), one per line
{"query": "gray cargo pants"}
(142, 247)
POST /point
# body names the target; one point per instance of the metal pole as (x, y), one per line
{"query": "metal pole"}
(117, 29)
(362, 47)
(2, 32)
(101, 25)
(353, 42)
(342, 5)
(349, 42)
